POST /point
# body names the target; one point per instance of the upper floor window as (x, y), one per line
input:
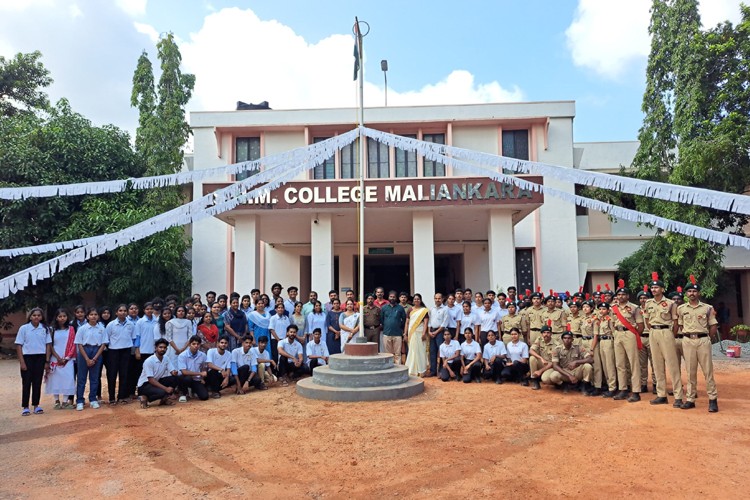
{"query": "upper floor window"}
(246, 149)
(349, 163)
(378, 164)
(327, 169)
(406, 161)
(516, 144)
(434, 168)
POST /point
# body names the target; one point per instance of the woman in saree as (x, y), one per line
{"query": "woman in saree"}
(416, 338)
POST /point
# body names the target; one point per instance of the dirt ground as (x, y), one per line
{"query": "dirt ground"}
(455, 439)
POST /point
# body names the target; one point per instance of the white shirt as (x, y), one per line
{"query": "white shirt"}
(145, 330)
(257, 354)
(242, 358)
(518, 351)
(494, 350)
(278, 324)
(91, 335)
(314, 349)
(33, 340)
(501, 313)
(439, 316)
(155, 368)
(468, 321)
(454, 313)
(120, 334)
(488, 320)
(448, 350)
(186, 361)
(293, 349)
(223, 361)
(471, 351)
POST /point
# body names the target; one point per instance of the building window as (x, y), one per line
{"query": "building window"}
(524, 270)
(377, 159)
(349, 160)
(406, 161)
(327, 169)
(246, 149)
(516, 144)
(434, 168)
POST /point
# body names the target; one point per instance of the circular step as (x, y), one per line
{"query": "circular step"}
(345, 362)
(325, 375)
(309, 389)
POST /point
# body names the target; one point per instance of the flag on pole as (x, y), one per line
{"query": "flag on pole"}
(356, 60)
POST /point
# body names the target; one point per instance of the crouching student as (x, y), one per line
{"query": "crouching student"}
(156, 380)
(219, 362)
(493, 358)
(517, 365)
(191, 365)
(242, 366)
(571, 364)
(291, 365)
(471, 357)
(317, 351)
(265, 366)
(450, 358)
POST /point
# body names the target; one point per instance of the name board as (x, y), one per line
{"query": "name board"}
(381, 193)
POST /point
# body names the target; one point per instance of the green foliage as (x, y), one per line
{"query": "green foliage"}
(696, 132)
(21, 81)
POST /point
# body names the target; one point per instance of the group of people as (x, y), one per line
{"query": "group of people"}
(600, 343)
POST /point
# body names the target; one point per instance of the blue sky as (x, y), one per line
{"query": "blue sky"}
(299, 53)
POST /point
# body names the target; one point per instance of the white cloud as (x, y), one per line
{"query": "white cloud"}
(147, 30)
(75, 11)
(132, 8)
(607, 37)
(237, 56)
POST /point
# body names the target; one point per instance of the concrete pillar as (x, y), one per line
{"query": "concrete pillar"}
(321, 252)
(246, 257)
(501, 249)
(423, 256)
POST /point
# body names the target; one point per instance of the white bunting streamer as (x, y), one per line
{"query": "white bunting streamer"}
(729, 202)
(301, 160)
(703, 233)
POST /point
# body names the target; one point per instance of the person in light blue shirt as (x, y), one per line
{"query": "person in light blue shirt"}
(243, 368)
(120, 333)
(191, 367)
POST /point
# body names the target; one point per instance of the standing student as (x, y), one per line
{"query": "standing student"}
(146, 322)
(156, 380)
(333, 333)
(235, 323)
(61, 376)
(105, 316)
(91, 339)
(316, 319)
(178, 331)
(278, 323)
(260, 321)
(33, 347)
(120, 334)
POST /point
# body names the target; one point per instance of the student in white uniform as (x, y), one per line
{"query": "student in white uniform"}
(317, 351)
(467, 319)
(489, 321)
(120, 333)
(517, 365)
(291, 363)
(33, 348)
(265, 366)
(61, 380)
(493, 358)
(157, 381)
(450, 358)
(219, 361)
(191, 367)
(242, 366)
(471, 358)
(91, 339)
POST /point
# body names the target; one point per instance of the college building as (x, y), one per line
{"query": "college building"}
(428, 227)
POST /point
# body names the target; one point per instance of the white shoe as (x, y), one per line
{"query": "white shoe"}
(94, 405)
(183, 399)
(79, 407)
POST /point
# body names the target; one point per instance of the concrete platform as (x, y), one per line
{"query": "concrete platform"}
(346, 362)
(307, 388)
(325, 375)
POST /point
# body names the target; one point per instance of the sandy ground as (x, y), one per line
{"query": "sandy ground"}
(455, 439)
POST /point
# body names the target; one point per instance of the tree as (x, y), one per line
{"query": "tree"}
(21, 82)
(695, 132)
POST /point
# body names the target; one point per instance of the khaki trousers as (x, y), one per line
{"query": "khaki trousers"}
(534, 365)
(627, 361)
(698, 352)
(609, 366)
(664, 356)
(645, 358)
(598, 369)
(392, 345)
(680, 354)
(533, 335)
(581, 372)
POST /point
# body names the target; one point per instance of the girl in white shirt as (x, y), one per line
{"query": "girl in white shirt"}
(33, 349)
(91, 339)
(61, 378)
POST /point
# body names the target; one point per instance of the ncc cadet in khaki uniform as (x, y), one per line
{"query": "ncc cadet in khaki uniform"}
(534, 320)
(540, 359)
(606, 343)
(371, 318)
(554, 318)
(512, 320)
(571, 364)
(699, 324)
(575, 322)
(661, 320)
(627, 317)
(589, 330)
(678, 300)
(644, 354)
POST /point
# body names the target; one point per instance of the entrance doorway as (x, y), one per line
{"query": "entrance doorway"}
(449, 272)
(392, 272)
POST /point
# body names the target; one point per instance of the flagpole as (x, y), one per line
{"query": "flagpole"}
(361, 291)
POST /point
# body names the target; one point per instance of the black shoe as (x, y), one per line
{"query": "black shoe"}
(677, 403)
(713, 406)
(688, 405)
(659, 401)
(653, 389)
(535, 384)
(499, 381)
(565, 387)
(525, 382)
(634, 397)
(670, 393)
(585, 388)
(608, 394)
(621, 395)
(595, 391)
(644, 388)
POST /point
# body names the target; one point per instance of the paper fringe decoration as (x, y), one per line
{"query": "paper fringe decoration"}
(222, 200)
(428, 150)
